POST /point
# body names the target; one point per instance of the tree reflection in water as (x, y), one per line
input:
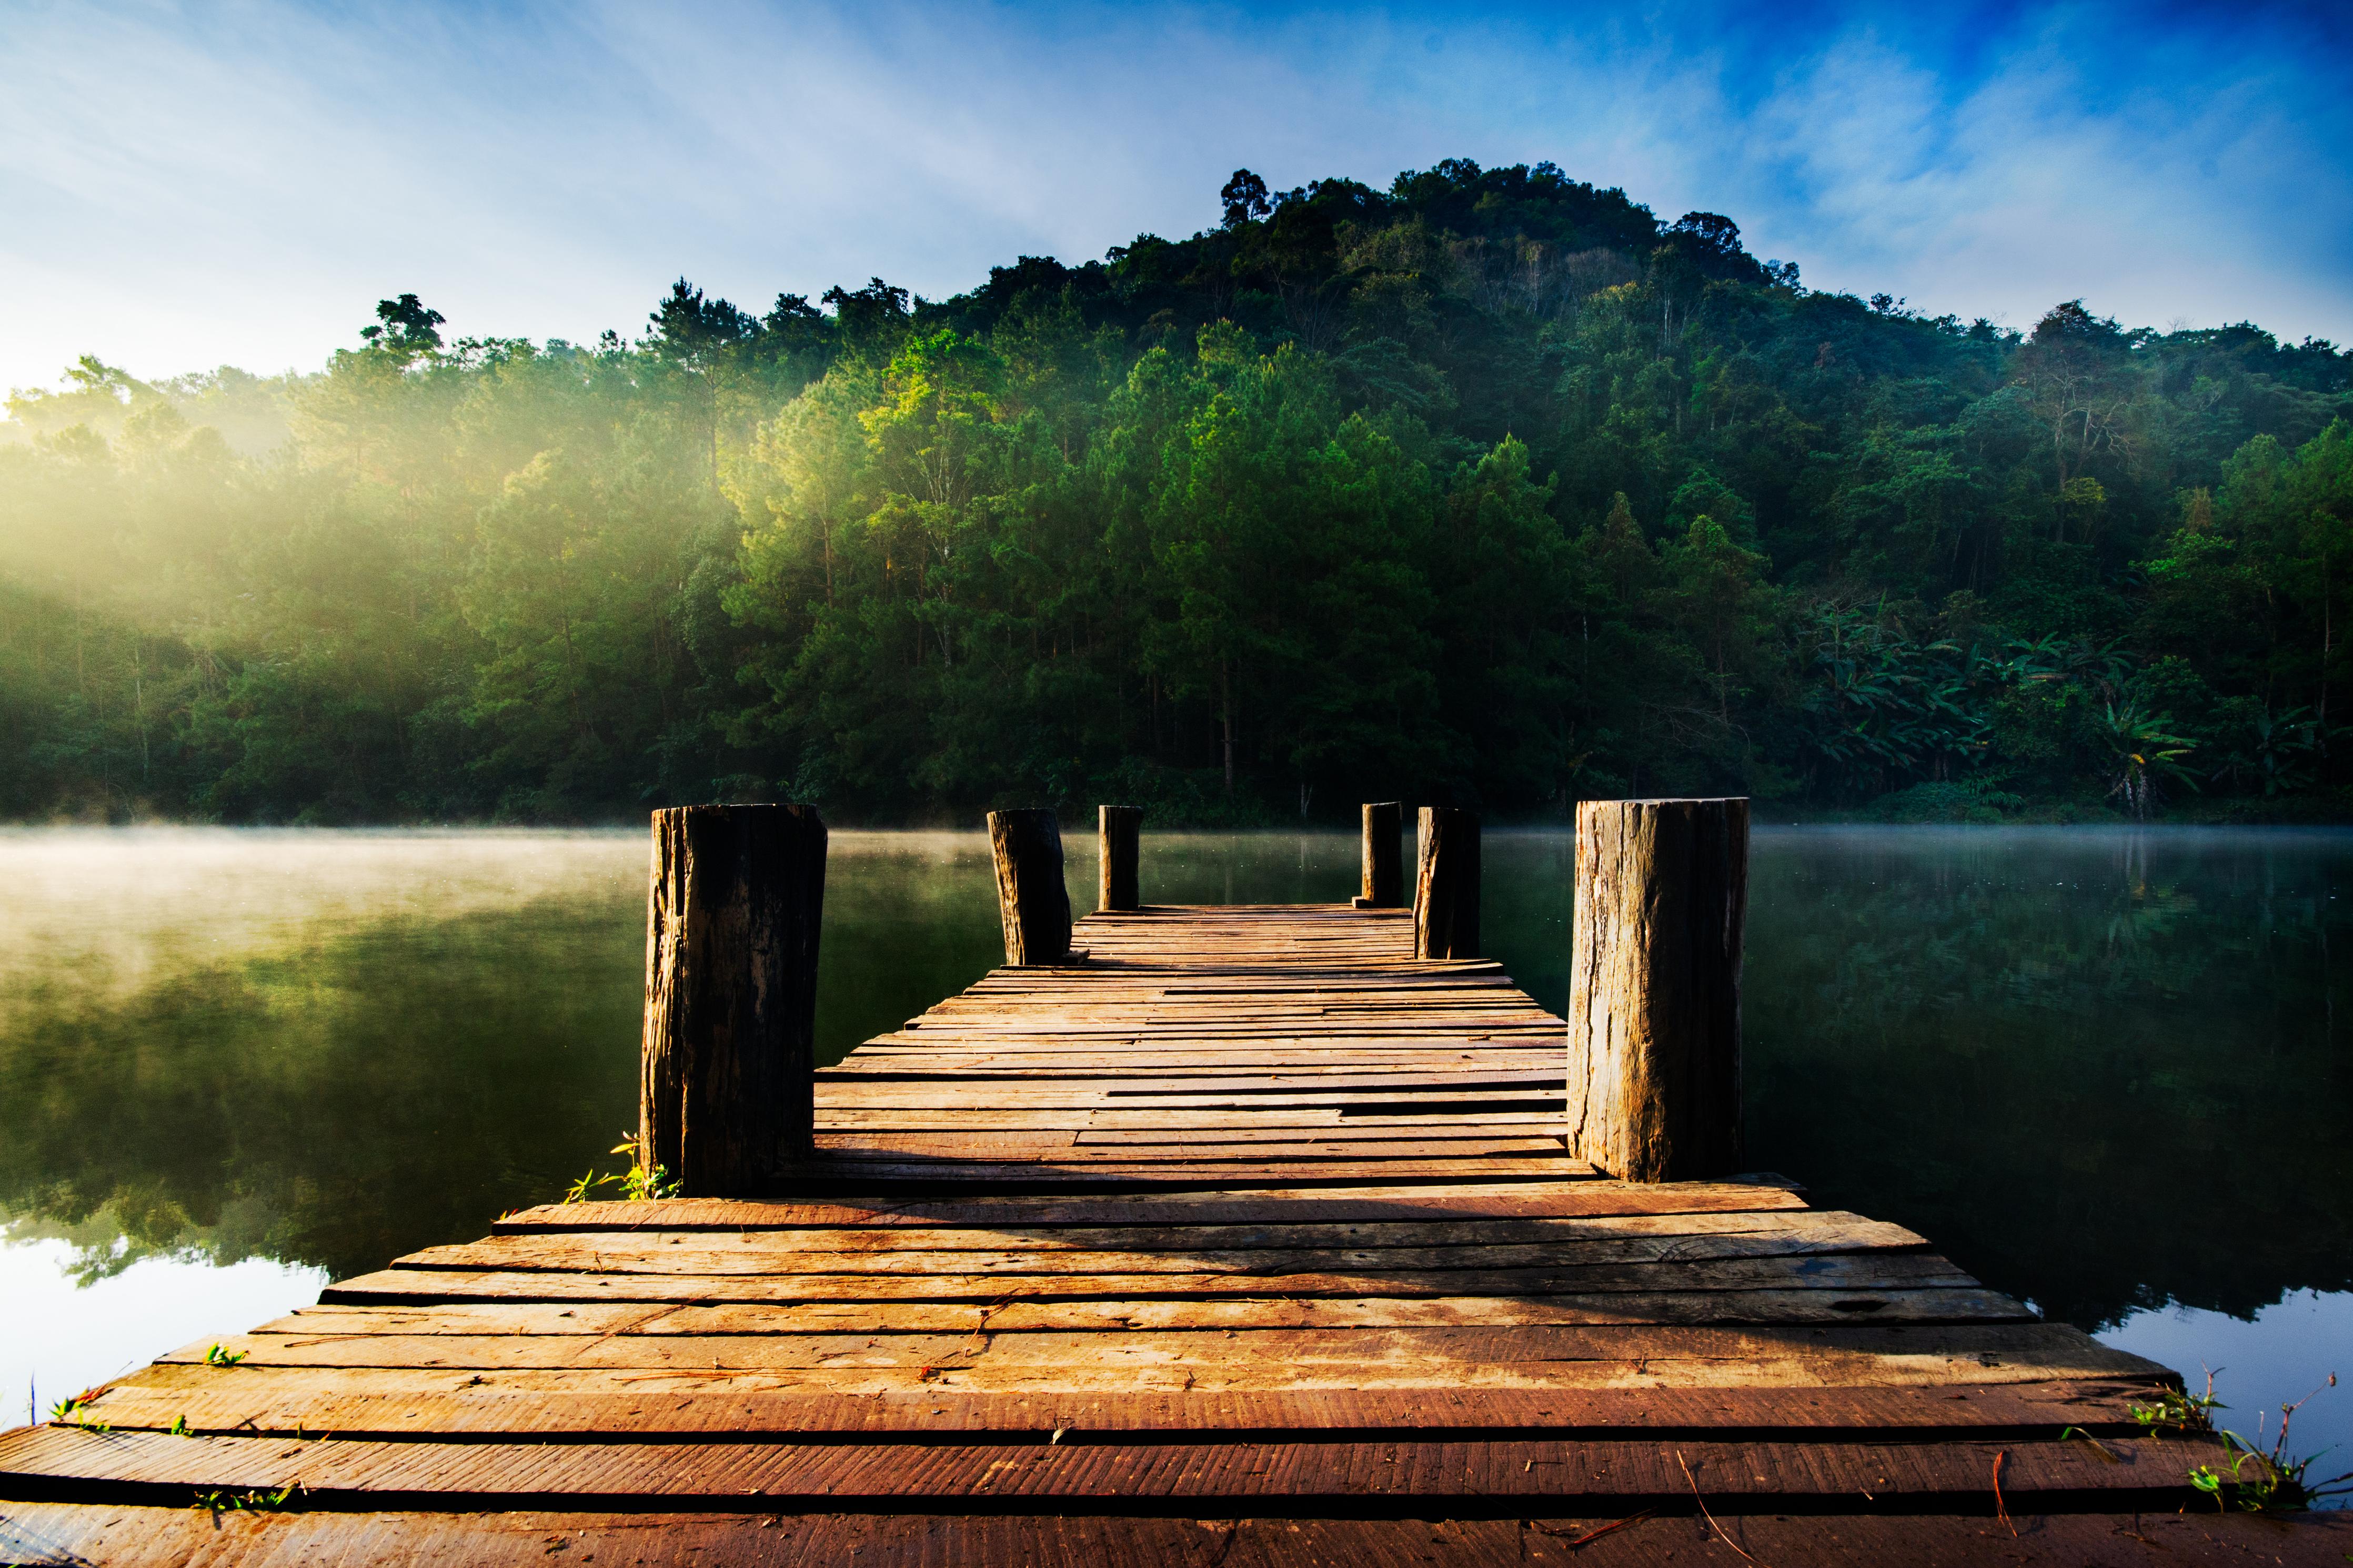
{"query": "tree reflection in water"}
(2101, 1069)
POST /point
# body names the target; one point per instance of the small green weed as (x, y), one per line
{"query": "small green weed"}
(644, 1186)
(2279, 1484)
(2182, 1412)
(218, 1503)
(216, 1356)
(639, 1183)
(75, 1412)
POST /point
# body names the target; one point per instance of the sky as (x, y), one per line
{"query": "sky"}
(187, 186)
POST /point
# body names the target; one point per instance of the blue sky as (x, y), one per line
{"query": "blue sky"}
(186, 185)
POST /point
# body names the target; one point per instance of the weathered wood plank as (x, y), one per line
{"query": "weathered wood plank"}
(1205, 1146)
(845, 1172)
(1222, 1302)
(988, 1365)
(2146, 1473)
(1096, 1109)
(1816, 1227)
(700, 1254)
(672, 1370)
(1034, 1276)
(144, 1537)
(1963, 1350)
(1253, 1205)
(311, 1401)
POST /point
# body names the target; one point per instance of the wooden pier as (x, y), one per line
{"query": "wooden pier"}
(1250, 1239)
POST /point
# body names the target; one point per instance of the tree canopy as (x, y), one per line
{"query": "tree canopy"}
(1490, 488)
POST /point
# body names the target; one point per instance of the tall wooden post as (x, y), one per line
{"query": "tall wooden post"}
(1384, 879)
(1031, 896)
(732, 913)
(1121, 830)
(1446, 885)
(1654, 987)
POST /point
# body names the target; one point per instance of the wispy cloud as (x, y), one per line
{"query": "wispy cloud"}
(188, 186)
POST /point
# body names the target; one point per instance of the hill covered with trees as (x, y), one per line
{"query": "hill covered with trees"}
(1490, 488)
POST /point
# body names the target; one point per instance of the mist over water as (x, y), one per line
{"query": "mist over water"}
(2103, 1070)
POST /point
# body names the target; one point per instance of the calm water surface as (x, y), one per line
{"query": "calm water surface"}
(2103, 1070)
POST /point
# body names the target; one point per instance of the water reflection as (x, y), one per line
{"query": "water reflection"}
(301, 1047)
(2103, 1070)
(329, 1048)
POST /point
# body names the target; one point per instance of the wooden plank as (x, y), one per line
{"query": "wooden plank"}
(1424, 1029)
(864, 1074)
(1840, 1275)
(129, 1536)
(673, 1371)
(1431, 1022)
(1416, 1131)
(1252, 1205)
(1208, 1072)
(1242, 1352)
(864, 1173)
(311, 1402)
(1073, 1475)
(695, 1341)
(1102, 1006)
(1288, 1145)
(1075, 1172)
(1122, 1122)
(774, 1252)
(1822, 1228)
(1010, 1307)
(1109, 1097)
(1824, 1355)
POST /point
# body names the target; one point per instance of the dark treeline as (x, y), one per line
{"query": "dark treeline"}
(1489, 488)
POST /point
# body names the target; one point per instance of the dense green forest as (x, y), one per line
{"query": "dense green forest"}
(1490, 488)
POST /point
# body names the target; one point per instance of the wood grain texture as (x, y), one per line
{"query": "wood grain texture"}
(388, 1404)
(733, 907)
(1032, 900)
(1311, 1473)
(1446, 1203)
(1382, 882)
(133, 1536)
(1120, 831)
(1654, 989)
(1446, 884)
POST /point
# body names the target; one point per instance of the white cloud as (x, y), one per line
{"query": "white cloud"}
(184, 187)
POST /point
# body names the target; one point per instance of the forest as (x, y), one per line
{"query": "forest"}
(1491, 488)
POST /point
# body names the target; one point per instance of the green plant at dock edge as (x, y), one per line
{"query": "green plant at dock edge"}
(2182, 1412)
(75, 1412)
(641, 1183)
(2279, 1484)
(218, 1502)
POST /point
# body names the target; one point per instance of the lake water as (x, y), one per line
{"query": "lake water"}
(2103, 1070)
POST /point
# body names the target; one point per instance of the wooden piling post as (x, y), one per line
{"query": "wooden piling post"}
(1654, 987)
(1383, 873)
(1031, 897)
(1446, 885)
(733, 911)
(1120, 829)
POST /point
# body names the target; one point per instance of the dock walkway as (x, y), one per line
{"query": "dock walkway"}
(1251, 1240)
